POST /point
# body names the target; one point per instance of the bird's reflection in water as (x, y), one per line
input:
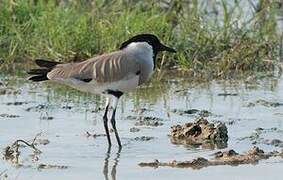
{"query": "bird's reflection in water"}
(115, 163)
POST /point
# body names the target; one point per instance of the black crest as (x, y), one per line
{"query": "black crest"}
(149, 38)
(152, 40)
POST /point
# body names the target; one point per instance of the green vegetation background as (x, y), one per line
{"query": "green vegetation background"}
(73, 30)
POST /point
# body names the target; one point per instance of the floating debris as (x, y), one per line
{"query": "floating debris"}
(230, 157)
(12, 152)
(227, 94)
(41, 142)
(200, 133)
(141, 110)
(37, 108)
(143, 138)
(67, 107)
(49, 166)
(93, 135)
(264, 103)
(48, 118)
(9, 116)
(134, 129)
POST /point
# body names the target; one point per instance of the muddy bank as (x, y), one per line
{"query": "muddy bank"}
(230, 157)
(200, 133)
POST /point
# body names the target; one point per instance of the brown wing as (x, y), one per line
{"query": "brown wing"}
(105, 68)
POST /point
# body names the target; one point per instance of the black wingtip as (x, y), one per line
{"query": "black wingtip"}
(38, 71)
(38, 78)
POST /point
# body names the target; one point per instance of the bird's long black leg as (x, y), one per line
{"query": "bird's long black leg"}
(113, 121)
(105, 121)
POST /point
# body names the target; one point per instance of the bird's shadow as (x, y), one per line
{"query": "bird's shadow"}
(115, 164)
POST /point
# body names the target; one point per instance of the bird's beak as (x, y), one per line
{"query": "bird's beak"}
(166, 48)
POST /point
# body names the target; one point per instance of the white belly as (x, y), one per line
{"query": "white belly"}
(124, 85)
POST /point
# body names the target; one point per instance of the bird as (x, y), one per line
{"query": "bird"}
(110, 75)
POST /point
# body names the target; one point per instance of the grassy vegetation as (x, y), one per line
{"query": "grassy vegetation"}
(212, 39)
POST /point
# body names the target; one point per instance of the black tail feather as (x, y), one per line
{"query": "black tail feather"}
(41, 73)
(45, 63)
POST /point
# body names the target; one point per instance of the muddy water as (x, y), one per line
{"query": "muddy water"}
(64, 116)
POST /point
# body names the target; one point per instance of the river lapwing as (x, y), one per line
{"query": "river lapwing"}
(110, 75)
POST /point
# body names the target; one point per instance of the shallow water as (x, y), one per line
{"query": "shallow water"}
(75, 113)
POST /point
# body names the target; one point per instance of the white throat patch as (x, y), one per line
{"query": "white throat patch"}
(143, 53)
(140, 47)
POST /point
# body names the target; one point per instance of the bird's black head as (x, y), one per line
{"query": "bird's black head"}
(152, 40)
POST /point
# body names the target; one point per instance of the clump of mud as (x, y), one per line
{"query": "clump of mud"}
(230, 157)
(200, 133)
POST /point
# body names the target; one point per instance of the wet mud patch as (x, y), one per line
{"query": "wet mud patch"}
(230, 157)
(146, 121)
(265, 103)
(17, 103)
(257, 137)
(143, 138)
(202, 113)
(200, 133)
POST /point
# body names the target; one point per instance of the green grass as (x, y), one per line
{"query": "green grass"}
(206, 45)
